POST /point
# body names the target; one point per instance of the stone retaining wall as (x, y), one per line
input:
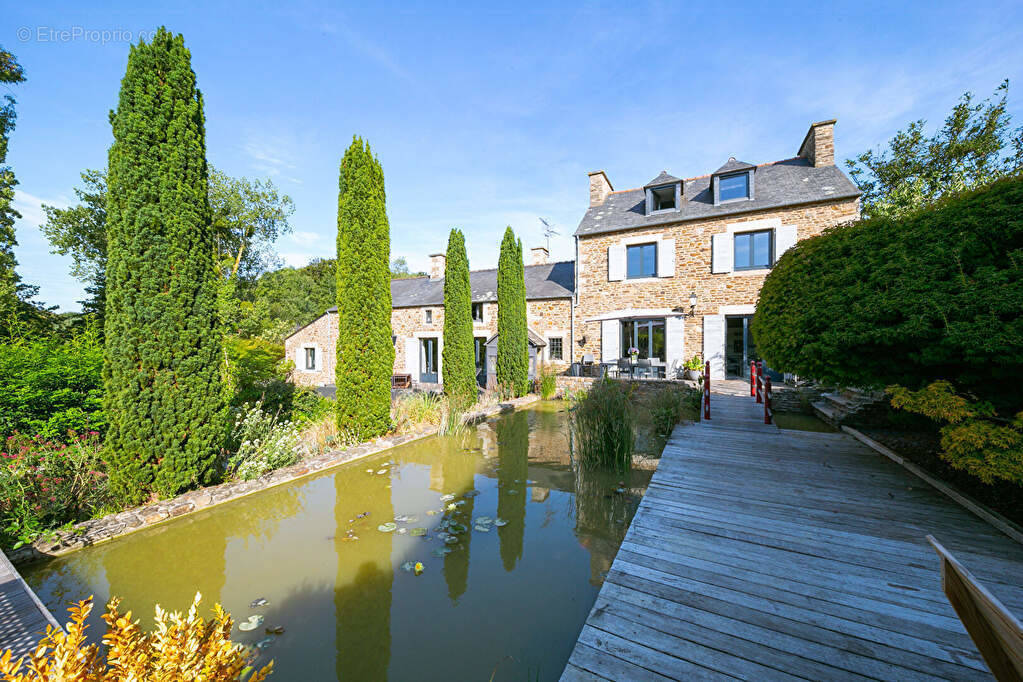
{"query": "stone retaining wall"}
(95, 531)
(641, 386)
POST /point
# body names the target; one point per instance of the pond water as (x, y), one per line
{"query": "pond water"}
(507, 596)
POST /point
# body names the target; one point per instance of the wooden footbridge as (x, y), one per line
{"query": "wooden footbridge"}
(760, 553)
(23, 618)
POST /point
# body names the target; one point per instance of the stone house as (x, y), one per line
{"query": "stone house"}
(674, 268)
(417, 323)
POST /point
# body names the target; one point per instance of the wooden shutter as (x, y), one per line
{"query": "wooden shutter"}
(412, 357)
(721, 253)
(666, 258)
(674, 333)
(784, 239)
(616, 262)
(610, 341)
(714, 344)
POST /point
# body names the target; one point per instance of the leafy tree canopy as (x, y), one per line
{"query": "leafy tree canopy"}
(399, 269)
(974, 147)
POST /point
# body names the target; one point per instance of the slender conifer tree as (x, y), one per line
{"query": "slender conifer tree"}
(459, 358)
(512, 334)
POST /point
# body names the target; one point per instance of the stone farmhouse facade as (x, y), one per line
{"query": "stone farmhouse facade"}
(417, 323)
(672, 269)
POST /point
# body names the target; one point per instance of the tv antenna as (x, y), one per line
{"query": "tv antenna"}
(548, 232)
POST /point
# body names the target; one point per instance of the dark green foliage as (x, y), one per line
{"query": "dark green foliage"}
(936, 295)
(975, 147)
(512, 334)
(399, 269)
(365, 354)
(603, 426)
(163, 359)
(459, 356)
(284, 300)
(51, 385)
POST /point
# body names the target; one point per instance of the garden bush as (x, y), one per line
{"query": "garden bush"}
(45, 485)
(180, 647)
(668, 406)
(547, 383)
(263, 442)
(603, 426)
(51, 386)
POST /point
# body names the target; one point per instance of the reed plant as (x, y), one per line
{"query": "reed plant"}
(603, 426)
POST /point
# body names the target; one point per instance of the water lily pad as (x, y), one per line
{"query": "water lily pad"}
(264, 643)
(417, 532)
(483, 519)
(407, 566)
(451, 539)
(382, 472)
(433, 512)
(252, 623)
(457, 528)
(442, 552)
(482, 529)
(262, 601)
(471, 493)
(500, 522)
(402, 531)
(512, 492)
(369, 471)
(276, 630)
(387, 527)
(447, 497)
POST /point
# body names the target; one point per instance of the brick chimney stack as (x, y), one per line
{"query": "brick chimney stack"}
(437, 263)
(819, 144)
(540, 255)
(600, 187)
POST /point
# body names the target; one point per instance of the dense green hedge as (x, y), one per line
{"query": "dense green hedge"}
(458, 362)
(935, 295)
(512, 332)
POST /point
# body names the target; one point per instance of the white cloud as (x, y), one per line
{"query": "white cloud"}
(298, 260)
(31, 207)
(304, 238)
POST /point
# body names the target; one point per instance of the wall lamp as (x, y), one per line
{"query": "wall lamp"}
(692, 307)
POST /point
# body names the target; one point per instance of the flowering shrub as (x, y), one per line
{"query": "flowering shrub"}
(181, 647)
(264, 442)
(44, 484)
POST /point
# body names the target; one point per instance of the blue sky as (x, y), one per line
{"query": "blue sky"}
(489, 117)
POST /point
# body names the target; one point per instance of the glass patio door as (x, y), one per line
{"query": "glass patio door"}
(428, 361)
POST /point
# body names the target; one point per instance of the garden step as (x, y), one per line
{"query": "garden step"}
(842, 401)
(827, 411)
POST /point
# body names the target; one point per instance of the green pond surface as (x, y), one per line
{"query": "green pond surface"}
(797, 421)
(508, 600)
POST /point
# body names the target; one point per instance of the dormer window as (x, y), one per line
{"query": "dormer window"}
(663, 193)
(664, 197)
(735, 186)
(733, 182)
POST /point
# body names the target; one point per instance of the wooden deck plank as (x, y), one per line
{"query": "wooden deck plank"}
(23, 618)
(764, 553)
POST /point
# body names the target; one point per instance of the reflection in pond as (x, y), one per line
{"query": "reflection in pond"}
(507, 600)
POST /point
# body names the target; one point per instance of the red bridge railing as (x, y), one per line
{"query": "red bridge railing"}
(706, 391)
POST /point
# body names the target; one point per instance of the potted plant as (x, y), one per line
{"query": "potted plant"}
(694, 368)
(634, 354)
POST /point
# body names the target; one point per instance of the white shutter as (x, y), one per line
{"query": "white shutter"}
(714, 344)
(721, 253)
(674, 331)
(784, 239)
(412, 358)
(666, 258)
(610, 341)
(615, 262)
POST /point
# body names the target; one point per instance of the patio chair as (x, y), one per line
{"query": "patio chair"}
(644, 369)
(624, 367)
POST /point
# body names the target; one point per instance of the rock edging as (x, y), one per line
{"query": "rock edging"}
(95, 531)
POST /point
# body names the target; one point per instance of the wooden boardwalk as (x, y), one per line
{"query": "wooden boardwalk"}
(23, 618)
(765, 554)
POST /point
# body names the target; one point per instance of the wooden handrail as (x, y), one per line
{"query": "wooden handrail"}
(706, 390)
(997, 633)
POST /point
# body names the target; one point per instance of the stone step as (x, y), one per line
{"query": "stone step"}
(841, 401)
(827, 411)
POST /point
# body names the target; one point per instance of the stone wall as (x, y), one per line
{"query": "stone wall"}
(321, 334)
(639, 386)
(599, 296)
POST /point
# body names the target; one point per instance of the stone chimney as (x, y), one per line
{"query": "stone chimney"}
(819, 144)
(540, 255)
(437, 262)
(600, 187)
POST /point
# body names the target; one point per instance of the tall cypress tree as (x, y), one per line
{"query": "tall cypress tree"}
(365, 353)
(459, 362)
(512, 336)
(162, 359)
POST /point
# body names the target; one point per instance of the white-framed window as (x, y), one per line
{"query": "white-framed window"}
(308, 358)
(429, 316)
(556, 348)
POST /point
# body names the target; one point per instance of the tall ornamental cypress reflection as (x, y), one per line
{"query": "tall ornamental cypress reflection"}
(512, 472)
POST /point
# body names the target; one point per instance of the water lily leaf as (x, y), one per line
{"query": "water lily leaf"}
(276, 630)
(482, 529)
(407, 566)
(262, 601)
(512, 492)
(387, 527)
(252, 623)
(447, 497)
(471, 493)
(264, 643)
(442, 552)
(402, 531)
(483, 519)
(500, 522)
(381, 472)
(451, 539)
(417, 532)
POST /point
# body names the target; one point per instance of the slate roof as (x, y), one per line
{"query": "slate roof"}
(553, 280)
(733, 165)
(533, 337)
(663, 179)
(782, 183)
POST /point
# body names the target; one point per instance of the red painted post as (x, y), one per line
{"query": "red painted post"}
(760, 383)
(706, 391)
(767, 400)
(752, 378)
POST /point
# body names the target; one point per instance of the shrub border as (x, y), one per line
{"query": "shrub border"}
(991, 516)
(96, 531)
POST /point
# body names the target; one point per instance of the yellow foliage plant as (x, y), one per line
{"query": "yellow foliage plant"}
(181, 648)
